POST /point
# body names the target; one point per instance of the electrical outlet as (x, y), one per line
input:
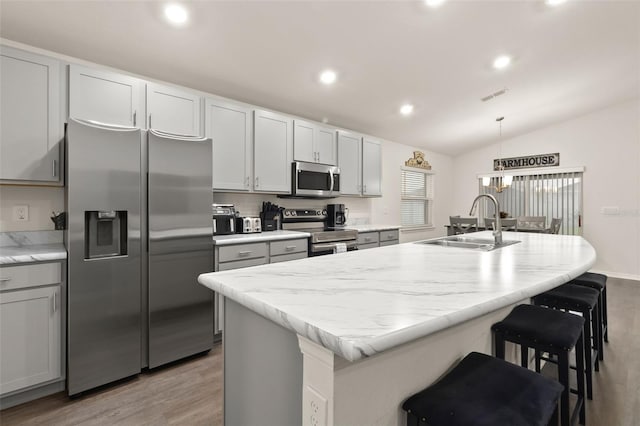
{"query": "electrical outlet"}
(21, 213)
(317, 406)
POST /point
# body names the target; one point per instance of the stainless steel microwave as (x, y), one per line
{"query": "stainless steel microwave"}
(315, 180)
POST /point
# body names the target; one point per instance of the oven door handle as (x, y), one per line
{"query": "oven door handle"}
(315, 248)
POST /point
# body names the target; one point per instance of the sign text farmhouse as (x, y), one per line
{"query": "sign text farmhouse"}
(544, 160)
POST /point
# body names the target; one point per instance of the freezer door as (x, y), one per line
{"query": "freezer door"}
(103, 191)
(180, 247)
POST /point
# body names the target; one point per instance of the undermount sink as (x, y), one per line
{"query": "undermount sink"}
(460, 241)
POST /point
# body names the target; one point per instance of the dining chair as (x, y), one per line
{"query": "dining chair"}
(554, 226)
(531, 222)
(463, 225)
(507, 224)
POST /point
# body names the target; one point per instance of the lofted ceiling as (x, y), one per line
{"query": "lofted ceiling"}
(567, 60)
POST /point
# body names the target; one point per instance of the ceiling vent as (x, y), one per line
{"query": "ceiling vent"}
(494, 95)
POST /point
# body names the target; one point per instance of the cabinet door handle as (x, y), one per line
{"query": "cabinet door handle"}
(290, 248)
(247, 182)
(257, 181)
(318, 156)
(367, 239)
(5, 279)
(54, 169)
(364, 189)
(244, 253)
(135, 116)
(55, 302)
(150, 121)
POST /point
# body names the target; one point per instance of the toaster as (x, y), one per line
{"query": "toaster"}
(248, 225)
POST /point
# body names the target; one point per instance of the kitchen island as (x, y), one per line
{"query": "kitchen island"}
(344, 339)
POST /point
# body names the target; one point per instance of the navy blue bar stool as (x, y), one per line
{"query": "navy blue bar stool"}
(486, 391)
(554, 332)
(599, 282)
(584, 300)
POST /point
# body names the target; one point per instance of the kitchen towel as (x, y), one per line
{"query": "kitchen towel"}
(340, 248)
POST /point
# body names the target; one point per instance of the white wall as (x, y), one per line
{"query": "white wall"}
(607, 144)
(386, 210)
(41, 201)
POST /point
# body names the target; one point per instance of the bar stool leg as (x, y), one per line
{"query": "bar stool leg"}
(604, 314)
(587, 353)
(598, 321)
(524, 356)
(538, 354)
(596, 329)
(563, 378)
(580, 378)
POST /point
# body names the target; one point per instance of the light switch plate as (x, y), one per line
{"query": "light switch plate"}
(21, 213)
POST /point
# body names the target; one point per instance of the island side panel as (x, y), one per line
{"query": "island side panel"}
(262, 370)
(371, 391)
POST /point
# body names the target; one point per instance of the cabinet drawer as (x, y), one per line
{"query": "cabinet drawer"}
(288, 257)
(389, 235)
(227, 266)
(367, 238)
(288, 247)
(367, 246)
(242, 252)
(388, 243)
(14, 277)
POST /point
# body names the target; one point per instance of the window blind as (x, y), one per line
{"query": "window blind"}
(416, 196)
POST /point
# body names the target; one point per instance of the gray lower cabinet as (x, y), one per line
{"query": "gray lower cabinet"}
(31, 122)
(31, 334)
(372, 239)
(236, 256)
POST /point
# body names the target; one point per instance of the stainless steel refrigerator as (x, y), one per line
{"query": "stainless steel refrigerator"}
(139, 233)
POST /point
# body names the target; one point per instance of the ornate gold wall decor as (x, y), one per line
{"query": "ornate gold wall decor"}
(418, 161)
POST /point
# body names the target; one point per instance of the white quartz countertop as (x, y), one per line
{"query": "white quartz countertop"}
(361, 303)
(223, 240)
(373, 228)
(32, 253)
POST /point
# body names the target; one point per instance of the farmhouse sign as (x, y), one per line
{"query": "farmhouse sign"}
(543, 160)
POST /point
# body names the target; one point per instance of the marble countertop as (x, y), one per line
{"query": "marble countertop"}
(361, 303)
(373, 228)
(224, 240)
(32, 253)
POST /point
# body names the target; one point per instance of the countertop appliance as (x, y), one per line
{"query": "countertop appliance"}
(323, 240)
(224, 219)
(248, 225)
(336, 215)
(311, 180)
(133, 296)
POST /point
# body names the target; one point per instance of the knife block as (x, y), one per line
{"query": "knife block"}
(269, 221)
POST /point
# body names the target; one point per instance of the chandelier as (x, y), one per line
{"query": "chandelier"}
(501, 182)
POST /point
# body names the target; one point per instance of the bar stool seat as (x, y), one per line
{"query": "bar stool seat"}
(584, 300)
(486, 391)
(551, 331)
(599, 282)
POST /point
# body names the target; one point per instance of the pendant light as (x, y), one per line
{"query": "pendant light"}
(503, 181)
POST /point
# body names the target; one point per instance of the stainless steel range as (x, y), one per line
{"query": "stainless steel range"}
(324, 240)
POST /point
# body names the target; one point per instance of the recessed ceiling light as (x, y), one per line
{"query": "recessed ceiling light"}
(406, 109)
(501, 62)
(176, 14)
(434, 3)
(555, 2)
(328, 77)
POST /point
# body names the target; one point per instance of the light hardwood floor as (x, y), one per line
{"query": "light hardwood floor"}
(190, 393)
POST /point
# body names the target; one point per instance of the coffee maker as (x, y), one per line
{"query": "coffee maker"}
(336, 215)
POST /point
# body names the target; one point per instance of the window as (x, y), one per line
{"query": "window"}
(553, 195)
(416, 197)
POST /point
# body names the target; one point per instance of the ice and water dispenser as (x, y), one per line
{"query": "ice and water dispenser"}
(105, 234)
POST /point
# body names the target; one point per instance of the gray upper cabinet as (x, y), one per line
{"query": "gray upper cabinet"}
(273, 152)
(173, 110)
(314, 143)
(229, 126)
(350, 163)
(105, 97)
(31, 122)
(371, 167)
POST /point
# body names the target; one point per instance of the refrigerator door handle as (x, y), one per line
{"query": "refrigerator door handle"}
(188, 138)
(100, 124)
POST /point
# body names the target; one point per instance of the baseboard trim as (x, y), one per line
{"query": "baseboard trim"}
(31, 394)
(620, 275)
